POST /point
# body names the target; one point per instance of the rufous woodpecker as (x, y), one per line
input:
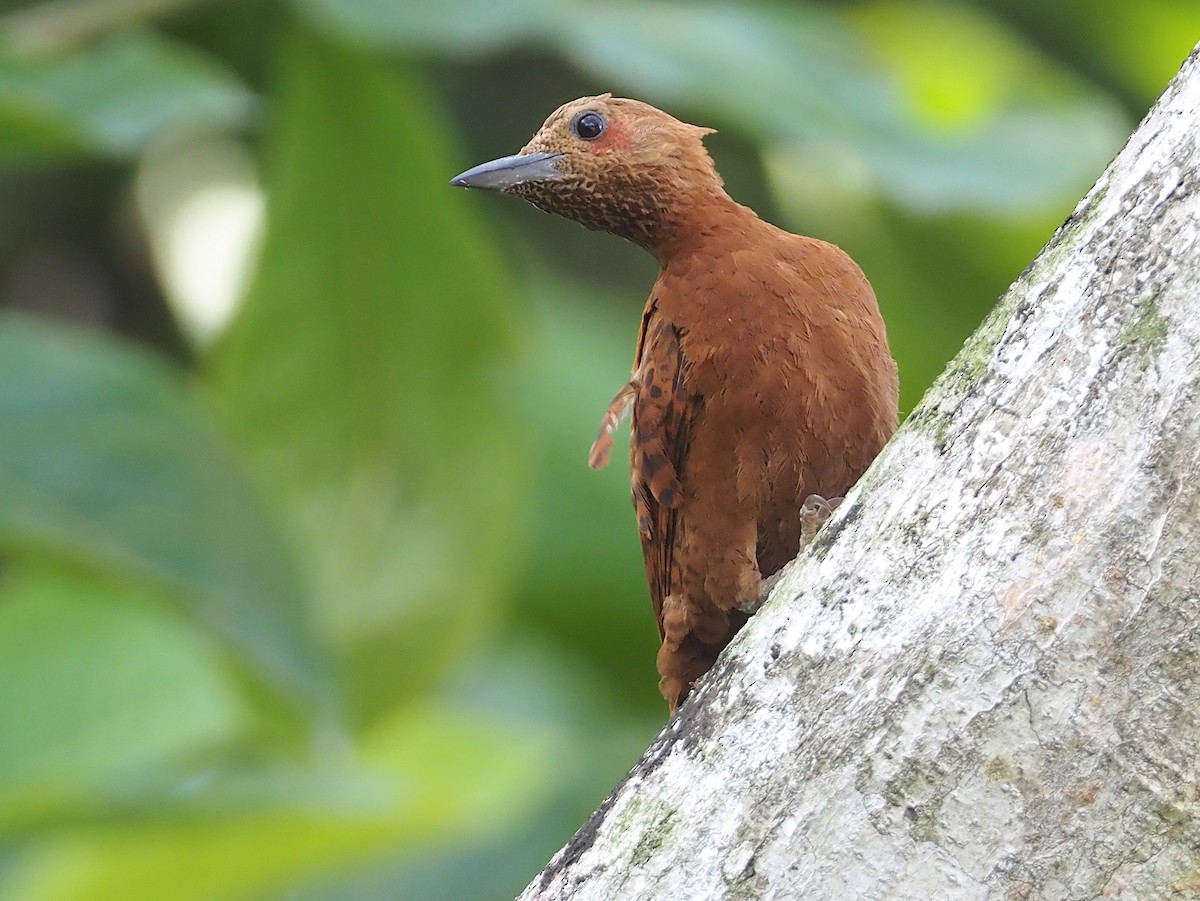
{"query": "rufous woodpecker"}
(762, 382)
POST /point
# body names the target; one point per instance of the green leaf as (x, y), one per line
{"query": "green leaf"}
(583, 522)
(802, 76)
(112, 97)
(450, 25)
(97, 687)
(107, 462)
(362, 373)
(982, 122)
(526, 687)
(427, 776)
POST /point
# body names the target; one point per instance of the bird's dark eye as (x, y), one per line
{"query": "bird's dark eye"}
(588, 126)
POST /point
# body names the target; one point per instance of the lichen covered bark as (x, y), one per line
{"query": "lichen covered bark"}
(983, 679)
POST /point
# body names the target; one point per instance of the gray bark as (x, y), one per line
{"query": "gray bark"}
(983, 678)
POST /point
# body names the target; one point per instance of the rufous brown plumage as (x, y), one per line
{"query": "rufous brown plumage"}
(762, 380)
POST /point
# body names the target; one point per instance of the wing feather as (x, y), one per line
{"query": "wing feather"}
(663, 413)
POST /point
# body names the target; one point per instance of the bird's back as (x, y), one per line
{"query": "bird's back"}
(785, 342)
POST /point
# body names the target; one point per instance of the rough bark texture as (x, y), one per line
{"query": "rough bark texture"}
(983, 679)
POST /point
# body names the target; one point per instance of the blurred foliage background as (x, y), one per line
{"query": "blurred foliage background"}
(306, 590)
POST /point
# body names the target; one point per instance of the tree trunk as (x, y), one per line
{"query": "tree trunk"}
(983, 678)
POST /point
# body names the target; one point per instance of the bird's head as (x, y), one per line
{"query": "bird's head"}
(611, 164)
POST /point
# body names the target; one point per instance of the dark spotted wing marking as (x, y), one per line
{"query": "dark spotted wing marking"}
(663, 412)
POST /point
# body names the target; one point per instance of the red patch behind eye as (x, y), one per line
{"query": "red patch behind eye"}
(615, 137)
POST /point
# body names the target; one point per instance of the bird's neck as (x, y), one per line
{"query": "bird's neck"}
(697, 219)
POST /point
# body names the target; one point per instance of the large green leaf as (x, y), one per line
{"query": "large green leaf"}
(585, 584)
(106, 461)
(451, 25)
(535, 688)
(799, 74)
(97, 687)
(362, 374)
(109, 98)
(1134, 47)
(427, 776)
(982, 122)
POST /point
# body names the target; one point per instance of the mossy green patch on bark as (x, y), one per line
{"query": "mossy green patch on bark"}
(1000, 769)
(970, 364)
(1146, 332)
(934, 415)
(654, 837)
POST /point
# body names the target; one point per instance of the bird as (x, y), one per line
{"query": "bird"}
(762, 383)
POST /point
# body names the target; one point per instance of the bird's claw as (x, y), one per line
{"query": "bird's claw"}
(815, 513)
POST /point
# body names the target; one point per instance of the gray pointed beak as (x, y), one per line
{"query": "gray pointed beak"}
(510, 171)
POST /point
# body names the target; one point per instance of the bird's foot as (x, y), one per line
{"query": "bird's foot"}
(815, 513)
